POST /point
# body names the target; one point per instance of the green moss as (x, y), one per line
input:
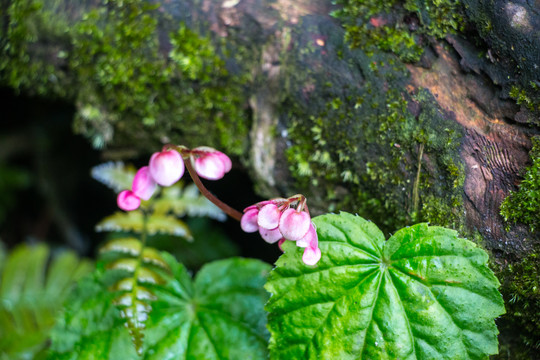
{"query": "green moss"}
(125, 85)
(24, 64)
(530, 99)
(398, 26)
(358, 141)
(521, 292)
(523, 206)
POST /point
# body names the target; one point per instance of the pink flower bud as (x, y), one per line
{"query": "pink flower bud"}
(227, 163)
(143, 185)
(166, 167)
(294, 224)
(270, 236)
(210, 163)
(311, 255)
(309, 239)
(128, 201)
(258, 205)
(269, 216)
(248, 223)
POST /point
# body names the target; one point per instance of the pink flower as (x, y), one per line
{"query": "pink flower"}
(294, 224)
(270, 236)
(311, 255)
(210, 163)
(248, 223)
(128, 201)
(309, 238)
(166, 167)
(143, 184)
(269, 216)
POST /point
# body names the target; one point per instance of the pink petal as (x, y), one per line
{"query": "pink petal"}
(226, 161)
(309, 239)
(269, 216)
(270, 236)
(311, 255)
(294, 224)
(143, 184)
(166, 167)
(248, 223)
(258, 205)
(209, 166)
(128, 201)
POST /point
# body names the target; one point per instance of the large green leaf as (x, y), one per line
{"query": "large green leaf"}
(423, 294)
(218, 315)
(32, 289)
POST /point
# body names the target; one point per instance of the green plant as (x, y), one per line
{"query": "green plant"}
(33, 285)
(424, 293)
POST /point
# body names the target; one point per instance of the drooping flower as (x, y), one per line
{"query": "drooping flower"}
(269, 216)
(143, 184)
(270, 235)
(210, 163)
(166, 167)
(248, 223)
(311, 256)
(294, 224)
(312, 253)
(128, 201)
(279, 220)
(310, 237)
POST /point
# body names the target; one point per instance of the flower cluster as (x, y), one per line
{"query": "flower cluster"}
(278, 220)
(167, 167)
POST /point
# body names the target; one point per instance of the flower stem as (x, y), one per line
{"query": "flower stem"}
(235, 214)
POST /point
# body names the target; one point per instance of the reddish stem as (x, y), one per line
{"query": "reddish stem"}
(235, 214)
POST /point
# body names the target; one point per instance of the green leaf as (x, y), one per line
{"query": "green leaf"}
(32, 290)
(115, 175)
(423, 294)
(187, 201)
(133, 221)
(218, 315)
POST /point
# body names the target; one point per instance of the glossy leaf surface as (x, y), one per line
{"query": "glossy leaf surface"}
(218, 315)
(423, 294)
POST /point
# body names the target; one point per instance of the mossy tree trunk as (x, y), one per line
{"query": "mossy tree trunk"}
(429, 118)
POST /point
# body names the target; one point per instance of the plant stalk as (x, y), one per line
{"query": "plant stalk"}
(235, 214)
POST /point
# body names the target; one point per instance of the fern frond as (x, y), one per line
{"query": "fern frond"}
(187, 201)
(31, 294)
(116, 175)
(133, 222)
(134, 294)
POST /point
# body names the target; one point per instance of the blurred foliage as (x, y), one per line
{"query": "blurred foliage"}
(523, 205)
(33, 286)
(218, 315)
(12, 179)
(127, 82)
